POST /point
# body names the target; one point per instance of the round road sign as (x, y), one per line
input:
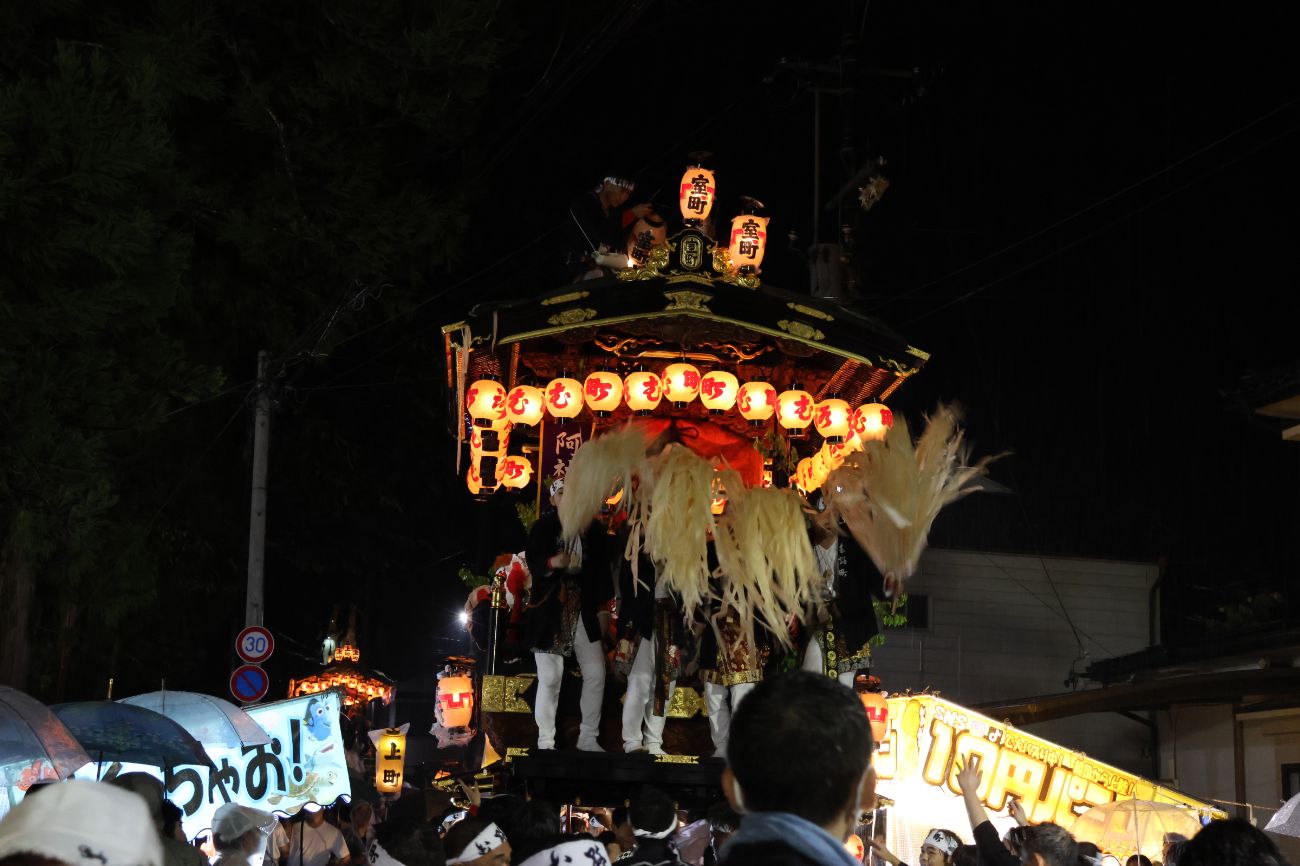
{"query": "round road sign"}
(249, 683)
(254, 645)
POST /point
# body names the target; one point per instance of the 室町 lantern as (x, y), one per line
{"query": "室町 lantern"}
(872, 421)
(564, 397)
(485, 400)
(390, 758)
(748, 242)
(718, 390)
(831, 417)
(525, 405)
(643, 391)
(603, 391)
(757, 402)
(514, 472)
(649, 232)
(455, 708)
(681, 383)
(794, 409)
(695, 195)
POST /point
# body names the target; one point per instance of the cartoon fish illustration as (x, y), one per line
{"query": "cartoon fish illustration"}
(317, 719)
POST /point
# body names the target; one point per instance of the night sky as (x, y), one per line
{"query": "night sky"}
(1090, 226)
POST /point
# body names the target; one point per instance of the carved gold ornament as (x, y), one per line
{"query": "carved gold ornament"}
(501, 694)
(685, 299)
(565, 298)
(802, 330)
(572, 316)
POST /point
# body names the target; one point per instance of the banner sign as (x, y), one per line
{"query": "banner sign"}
(930, 739)
(559, 442)
(303, 763)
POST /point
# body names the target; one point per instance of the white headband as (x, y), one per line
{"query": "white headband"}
(940, 839)
(662, 834)
(588, 852)
(557, 486)
(485, 842)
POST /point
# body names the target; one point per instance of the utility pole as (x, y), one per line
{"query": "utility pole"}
(253, 609)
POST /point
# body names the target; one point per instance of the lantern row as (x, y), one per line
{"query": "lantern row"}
(493, 409)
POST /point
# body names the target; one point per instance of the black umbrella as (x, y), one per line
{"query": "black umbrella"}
(111, 731)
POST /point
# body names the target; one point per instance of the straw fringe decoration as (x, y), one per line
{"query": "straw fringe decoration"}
(596, 470)
(678, 522)
(889, 494)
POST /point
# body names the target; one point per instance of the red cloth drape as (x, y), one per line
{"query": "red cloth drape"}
(715, 444)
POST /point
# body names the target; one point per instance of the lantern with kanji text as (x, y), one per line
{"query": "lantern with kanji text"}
(695, 195)
(642, 390)
(603, 392)
(514, 472)
(794, 410)
(872, 421)
(718, 391)
(525, 405)
(831, 418)
(485, 400)
(748, 242)
(756, 402)
(390, 758)
(564, 398)
(875, 703)
(681, 383)
(649, 232)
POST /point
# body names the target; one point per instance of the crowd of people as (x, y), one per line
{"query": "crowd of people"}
(797, 782)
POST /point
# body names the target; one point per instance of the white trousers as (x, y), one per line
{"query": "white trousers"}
(813, 661)
(721, 702)
(550, 673)
(639, 704)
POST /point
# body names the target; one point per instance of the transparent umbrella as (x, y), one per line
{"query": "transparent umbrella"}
(1127, 827)
(110, 731)
(212, 721)
(1287, 819)
(34, 744)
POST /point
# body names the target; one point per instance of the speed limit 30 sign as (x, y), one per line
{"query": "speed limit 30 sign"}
(254, 645)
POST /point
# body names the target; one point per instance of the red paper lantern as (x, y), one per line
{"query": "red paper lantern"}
(485, 400)
(718, 391)
(525, 405)
(564, 397)
(681, 383)
(603, 392)
(872, 421)
(748, 242)
(794, 409)
(455, 701)
(831, 418)
(757, 402)
(695, 195)
(877, 708)
(514, 472)
(642, 390)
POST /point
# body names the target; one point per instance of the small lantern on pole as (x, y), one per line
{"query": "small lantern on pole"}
(643, 391)
(718, 391)
(603, 392)
(681, 383)
(757, 402)
(390, 758)
(696, 194)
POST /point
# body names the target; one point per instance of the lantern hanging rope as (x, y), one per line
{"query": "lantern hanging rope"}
(890, 493)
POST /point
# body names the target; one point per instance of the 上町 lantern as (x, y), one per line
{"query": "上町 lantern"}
(681, 383)
(642, 390)
(831, 418)
(564, 397)
(794, 409)
(514, 472)
(390, 758)
(718, 391)
(485, 400)
(695, 195)
(748, 242)
(455, 708)
(525, 405)
(756, 402)
(603, 392)
(872, 421)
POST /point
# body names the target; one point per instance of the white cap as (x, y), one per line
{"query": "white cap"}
(557, 486)
(942, 840)
(83, 824)
(231, 821)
